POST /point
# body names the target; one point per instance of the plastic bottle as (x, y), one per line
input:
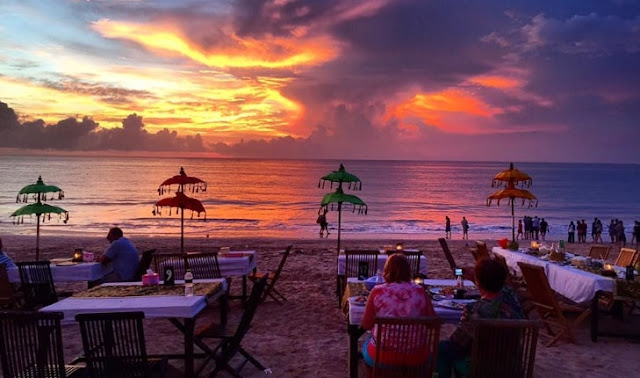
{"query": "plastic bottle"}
(459, 282)
(188, 283)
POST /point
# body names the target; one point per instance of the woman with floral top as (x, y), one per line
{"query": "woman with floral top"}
(497, 302)
(397, 297)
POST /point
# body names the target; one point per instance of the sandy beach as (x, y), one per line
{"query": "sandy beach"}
(306, 337)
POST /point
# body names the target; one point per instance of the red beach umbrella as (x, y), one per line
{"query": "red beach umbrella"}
(181, 201)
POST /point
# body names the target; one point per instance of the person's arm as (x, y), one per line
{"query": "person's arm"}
(369, 312)
(109, 254)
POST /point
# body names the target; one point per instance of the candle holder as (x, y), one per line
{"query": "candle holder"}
(399, 247)
(77, 255)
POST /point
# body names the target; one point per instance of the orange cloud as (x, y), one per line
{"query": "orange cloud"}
(499, 82)
(277, 52)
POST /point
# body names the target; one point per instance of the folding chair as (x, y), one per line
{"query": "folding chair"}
(231, 336)
(551, 311)
(272, 278)
(412, 343)
(114, 346)
(144, 264)
(36, 283)
(600, 252)
(627, 256)
(204, 265)
(467, 272)
(31, 345)
(503, 348)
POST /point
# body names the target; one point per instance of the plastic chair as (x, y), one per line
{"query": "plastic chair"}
(272, 278)
(114, 346)
(31, 345)
(551, 311)
(36, 283)
(503, 348)
(411, 342)
(231, 336)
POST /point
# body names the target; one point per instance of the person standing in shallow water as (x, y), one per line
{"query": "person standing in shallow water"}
(322, 221)
(465, 228)
(447, 227)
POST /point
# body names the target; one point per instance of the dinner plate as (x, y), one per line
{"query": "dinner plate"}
(450, 304)
(62, 259)
(66, 263)
(356, 302)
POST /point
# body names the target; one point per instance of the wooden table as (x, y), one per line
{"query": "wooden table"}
(180, 310)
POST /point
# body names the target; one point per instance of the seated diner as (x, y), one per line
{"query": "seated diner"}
(398, 297)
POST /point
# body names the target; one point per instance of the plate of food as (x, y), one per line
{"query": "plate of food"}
(360, 301)
(60, 260)
(450, 304)
(446, 291)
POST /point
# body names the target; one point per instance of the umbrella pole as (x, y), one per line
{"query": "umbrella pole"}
(339, 223)
(38, 237)
(513, 222)
(181, 230)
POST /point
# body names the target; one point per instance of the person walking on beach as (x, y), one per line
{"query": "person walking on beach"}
(636, 233)
(447, 227)
(465, 228)
(571, 237)
(322, 221)
(122, 254)
(536, 227)
(612, 231)
(599, 228)
(544, 227)
(519, 236)
(622, 238)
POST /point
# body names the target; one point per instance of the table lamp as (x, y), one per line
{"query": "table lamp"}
(77, 255)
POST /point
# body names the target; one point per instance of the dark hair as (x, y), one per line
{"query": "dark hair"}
(397, 268)
(490, 275)
(116, 231)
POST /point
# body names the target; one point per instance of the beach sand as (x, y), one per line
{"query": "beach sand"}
(307, 336)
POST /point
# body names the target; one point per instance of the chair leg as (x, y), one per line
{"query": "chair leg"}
(251, 359)
(279, 294)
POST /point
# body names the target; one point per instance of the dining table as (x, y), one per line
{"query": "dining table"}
(155, 301)
(64, 270)
(237, 263)
(447, 309)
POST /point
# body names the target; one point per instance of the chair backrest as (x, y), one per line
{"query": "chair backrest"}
(627, 256)
(412, 343)
(540, 290)
(204, 265)
(414, 261)
(6, 289)
(600, 252)
(114, 344)
(249, 310)
(361, 263)
(177, 260)
(144, 264)
(36, 282)
(482, 250)
(31, 344)
(447, 253)
(283, 260)
(503, 348)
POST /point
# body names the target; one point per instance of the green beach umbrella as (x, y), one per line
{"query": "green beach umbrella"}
(338, 197)
(38, 192)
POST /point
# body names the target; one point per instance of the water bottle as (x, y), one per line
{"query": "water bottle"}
(188, 283)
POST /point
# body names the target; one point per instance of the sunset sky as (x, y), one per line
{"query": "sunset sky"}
(372, 79)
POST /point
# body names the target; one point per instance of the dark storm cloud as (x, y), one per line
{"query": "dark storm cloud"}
(85, 134)
(106, 93)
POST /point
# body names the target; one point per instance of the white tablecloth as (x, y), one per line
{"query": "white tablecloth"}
(382, 259)
(90, 271)
(238, 266)
(575, 284)
(158, 306)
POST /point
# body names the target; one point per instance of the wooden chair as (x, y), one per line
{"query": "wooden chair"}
(482, 250)
(272, 278)
(31, 345)
(177, 260)
(144, 264)
(467, 272)
(414, 260)
(358, 263)
(412, 342)
(204, 265)
(114, 346)
(600, 252)
(503, 348)
(36, 284)
(230, 336)
(627, 256)
(551, 310)
(7, 295)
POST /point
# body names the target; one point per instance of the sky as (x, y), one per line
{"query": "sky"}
(353, 79)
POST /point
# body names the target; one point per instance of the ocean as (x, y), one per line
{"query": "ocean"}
(280, 198)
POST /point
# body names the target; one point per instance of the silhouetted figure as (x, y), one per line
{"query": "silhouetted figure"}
(447, 227)
(324, 225)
